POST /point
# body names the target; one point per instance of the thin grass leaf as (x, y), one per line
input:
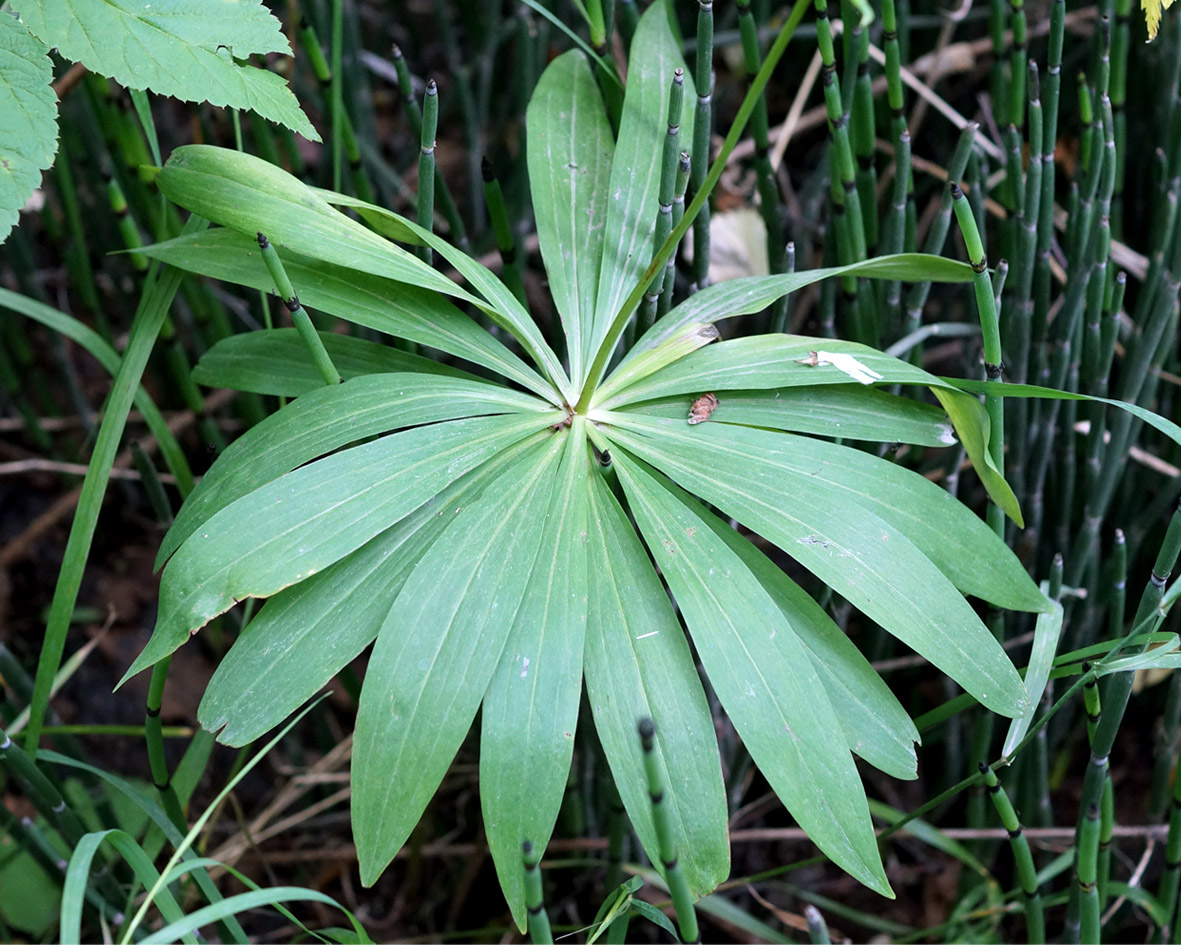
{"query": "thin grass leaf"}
(762, 675)
(638, 665)
(78, 876)
(436, 653)
(1046, 632)
(293, 527)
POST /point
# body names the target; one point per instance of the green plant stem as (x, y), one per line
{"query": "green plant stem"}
(1088, 869)
(1035, 922)
(678, 213)
(153, 737)
(702, 126)
(678, 884)
(1171, 876)
(539, 927)
(303, 322)
(506, 242)
(426, 165)
(817, 928)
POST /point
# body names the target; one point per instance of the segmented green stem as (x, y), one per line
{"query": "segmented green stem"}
(303, 322)
(506, 242)
(678, 212)
(539, 927)
(1087, 868)
(426, 165)
(678, 884)
(1035, 922)
(702, 126)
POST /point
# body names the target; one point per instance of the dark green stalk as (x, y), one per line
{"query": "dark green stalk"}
(678, 885)
(646, 314)
(768, 187)
(153, 487)
(1166, 743)
(1017, 65)
(1117, 687)
(426, 165)
(1087, 872)
(783, 322)
(991, 336)
(916, 296)
(1091, 703)
(154, 738)
(895, 230)
(1106, 831)
(862, 129)
(1045, 221)
(617, 833)
(1171, 876)
(506, 243)
(628, 19)
(702, 126)
(539, 927)
(1035, 922)
(1119, 82)
(40, 790)
(678, 213)
(303, 323)
(998, 88)
(414, 117)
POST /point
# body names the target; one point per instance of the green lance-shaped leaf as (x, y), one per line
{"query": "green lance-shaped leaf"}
(308, 632)
(569, 149)
(437, 651)
(395, 308)
(849, 411)
(859, 554)
(876, 726)
(530, 711)
(1046, 632)
(28, 114)
(185, 50)
(752, 294)
(326, 419)
(773, 361)
(762, 674)
(302, 522)
(276, 361)
(638, 665)
(633, 190)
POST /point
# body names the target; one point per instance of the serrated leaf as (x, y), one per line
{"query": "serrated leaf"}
(865, 559)
(848, 411)
(304, 521)
(28, 115)
(569, 149)
(436, 652)
(276, 361)
(326, 419)
(638, 665)
(305, 634)
(530, 710)
(633, 191)
(395, 308)
(175, 47)
(762, 675)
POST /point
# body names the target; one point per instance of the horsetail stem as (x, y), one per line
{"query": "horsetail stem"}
(702, 126)
(426, 165)
(539, 927)
(303, 322)
(506, 242)
(678, 884)
(1035, 922)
